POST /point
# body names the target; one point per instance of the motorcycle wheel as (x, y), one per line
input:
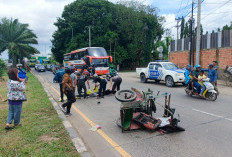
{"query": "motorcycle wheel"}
(211, 96)
(120, 95)
(188, 92)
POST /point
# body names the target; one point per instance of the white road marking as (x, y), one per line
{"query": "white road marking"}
(211, 114)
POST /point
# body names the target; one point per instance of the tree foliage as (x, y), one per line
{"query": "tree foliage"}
(2, 67)
(128, 28)
(17, 39)
(186, 29)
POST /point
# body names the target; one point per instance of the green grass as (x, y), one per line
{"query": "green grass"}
(42, 133)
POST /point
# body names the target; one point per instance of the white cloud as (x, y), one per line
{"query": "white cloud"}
(41, 15)
(214, 14)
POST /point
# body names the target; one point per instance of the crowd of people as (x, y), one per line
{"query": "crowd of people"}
(194, 77)
(72, 81)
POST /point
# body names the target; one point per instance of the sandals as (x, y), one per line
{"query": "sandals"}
(9, 128)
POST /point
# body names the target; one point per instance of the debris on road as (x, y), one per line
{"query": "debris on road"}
(95, 128)
(137, 109)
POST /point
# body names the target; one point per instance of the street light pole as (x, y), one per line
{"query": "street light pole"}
(89, 36)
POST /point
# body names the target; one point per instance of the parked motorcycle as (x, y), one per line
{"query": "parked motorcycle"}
(209, 94)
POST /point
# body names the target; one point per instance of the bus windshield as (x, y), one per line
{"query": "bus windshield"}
(100, 62)
(97, 52)
(170, 66)
(32, 61)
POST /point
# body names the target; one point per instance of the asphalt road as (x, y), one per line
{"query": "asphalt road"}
(208, 124)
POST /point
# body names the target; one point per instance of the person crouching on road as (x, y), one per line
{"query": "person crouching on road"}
(102, 82)
(16, 96)
(59, 78)
(117, 82)
(81, 84)
(68, 91)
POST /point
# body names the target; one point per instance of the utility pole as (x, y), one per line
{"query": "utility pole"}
(177, 26)
(191, 38)
(198, 32)
(89, 36)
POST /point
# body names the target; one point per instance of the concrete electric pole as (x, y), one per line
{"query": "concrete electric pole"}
(198, 32)
(177, 26)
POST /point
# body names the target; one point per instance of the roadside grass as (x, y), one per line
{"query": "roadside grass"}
(42, 132)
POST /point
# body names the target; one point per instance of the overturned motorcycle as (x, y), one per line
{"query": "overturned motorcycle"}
(137, 109)
(209, 94)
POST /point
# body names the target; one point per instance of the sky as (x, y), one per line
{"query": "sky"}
(41, 15)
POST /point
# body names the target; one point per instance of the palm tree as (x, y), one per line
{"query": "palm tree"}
(17, 39)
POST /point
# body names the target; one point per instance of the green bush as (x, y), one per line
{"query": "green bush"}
(2, 67)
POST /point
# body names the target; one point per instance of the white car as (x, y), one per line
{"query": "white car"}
(37, 65)
(161, 71)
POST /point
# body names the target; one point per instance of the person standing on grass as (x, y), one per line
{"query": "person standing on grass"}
(117, 82)
(16, 96)
(58, 78)
(68, 91)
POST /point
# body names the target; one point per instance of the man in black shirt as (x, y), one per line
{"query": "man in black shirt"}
(102, 87)
(81, 79)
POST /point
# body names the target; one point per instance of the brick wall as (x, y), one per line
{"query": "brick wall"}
(207, 56)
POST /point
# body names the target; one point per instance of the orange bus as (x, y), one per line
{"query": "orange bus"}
(89, 56)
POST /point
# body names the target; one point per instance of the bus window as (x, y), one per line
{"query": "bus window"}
(72, 56)
(67, 57)
(75, 56)
(81, 55)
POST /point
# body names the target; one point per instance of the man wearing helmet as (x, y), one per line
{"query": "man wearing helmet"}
(68, 91)
(196, 73)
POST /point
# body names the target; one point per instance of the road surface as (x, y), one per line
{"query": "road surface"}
(208, 124)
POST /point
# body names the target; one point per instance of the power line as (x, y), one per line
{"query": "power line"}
(180, 7)
(218, 13)
(216, 9)
(193, 9)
